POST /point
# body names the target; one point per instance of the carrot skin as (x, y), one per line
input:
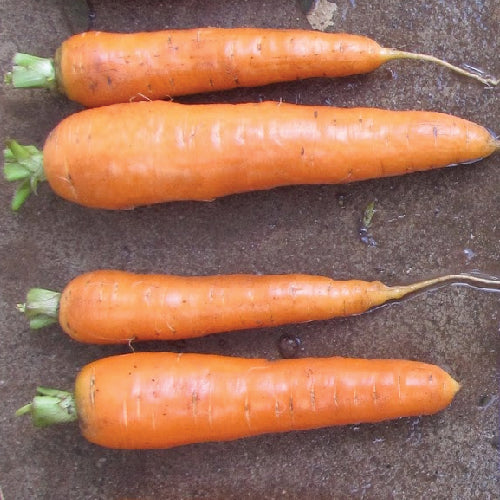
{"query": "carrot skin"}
(164, 151)
(108, 306)
(161, 400)
(97, 68)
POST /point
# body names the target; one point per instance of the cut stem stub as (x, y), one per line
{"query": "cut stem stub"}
(41, 307)
(32, 72)
(23, 164)
(50, 406)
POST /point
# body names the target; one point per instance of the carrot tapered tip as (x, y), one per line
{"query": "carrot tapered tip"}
(23, 164)
(454, 387)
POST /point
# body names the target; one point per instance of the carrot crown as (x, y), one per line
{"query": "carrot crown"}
(23, 164)
(32, 72)
(50, 406)
(41, 307)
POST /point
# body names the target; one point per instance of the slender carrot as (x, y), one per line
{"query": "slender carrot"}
(108, 306)
(96, 68)
(126, 155)
(160, 400)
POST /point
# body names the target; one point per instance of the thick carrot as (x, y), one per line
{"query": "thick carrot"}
(160, 400)
(96, 68)
(108, 306)
(132, 154)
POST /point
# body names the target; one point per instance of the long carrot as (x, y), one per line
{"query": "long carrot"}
(125, 155)
(160, 400)
(96, 68)
(109, 306)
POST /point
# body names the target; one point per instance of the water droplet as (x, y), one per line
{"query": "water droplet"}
(366, 237)
(289, 345)
(469, 254)
(495, 442)
(91, 14)
(390, 74)
(341, 199)
(486, 401)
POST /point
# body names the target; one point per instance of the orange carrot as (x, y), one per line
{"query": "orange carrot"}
(125, 155)
(107, 306)
(96, 68)
(160, 400)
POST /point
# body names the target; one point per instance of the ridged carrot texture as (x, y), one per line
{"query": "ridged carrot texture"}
(161, 400)
(125, 155)
(96, 68)
(109, 306)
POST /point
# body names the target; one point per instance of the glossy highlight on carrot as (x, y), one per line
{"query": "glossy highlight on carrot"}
(161, 400)
(97, 68)
(110, 306)
(165, 151)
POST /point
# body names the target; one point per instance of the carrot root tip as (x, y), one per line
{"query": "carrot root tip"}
(23, 164)
(50, 406)
(491, 284)
(466, 70)
(32, 72)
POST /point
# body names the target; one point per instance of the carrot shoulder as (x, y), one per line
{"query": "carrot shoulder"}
(164, 151)
(161, 400)
(111, 306)
(98, 68)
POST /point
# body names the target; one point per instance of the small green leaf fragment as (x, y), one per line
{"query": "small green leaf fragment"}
(33, 184)
(55, 393)
(368, 215)
(41, 321)
(32, 150)
(21, 194)
(26, 59)
(8, 155)
(15, 171)
(23, 410)
(19, 152)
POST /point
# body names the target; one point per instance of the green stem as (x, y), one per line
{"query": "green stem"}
(32, 72)
(41, 307)
(50, 406)
(23, 164)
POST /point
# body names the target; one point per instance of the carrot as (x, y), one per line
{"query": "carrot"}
(108, 306)
(125, 155)
(96, 68)
(160, 399)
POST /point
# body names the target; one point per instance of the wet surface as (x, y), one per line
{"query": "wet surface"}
(424, 225)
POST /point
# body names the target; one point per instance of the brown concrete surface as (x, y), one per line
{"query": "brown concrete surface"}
(425, 225)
